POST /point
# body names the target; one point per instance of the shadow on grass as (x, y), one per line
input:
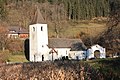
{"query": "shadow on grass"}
(110, 67)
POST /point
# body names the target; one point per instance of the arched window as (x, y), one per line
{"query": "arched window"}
(97, 54)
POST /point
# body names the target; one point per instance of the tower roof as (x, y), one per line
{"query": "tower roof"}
(38, 18)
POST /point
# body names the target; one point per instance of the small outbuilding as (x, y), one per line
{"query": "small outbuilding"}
(96, 51)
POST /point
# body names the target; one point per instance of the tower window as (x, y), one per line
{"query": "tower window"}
(33, 28)
(41, 28)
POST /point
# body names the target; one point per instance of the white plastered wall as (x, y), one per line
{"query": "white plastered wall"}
(38, 41)
(90, 52)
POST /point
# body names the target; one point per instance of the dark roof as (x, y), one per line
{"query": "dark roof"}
(78, 47)
(38, 18)
(74, 44)
(17, 29)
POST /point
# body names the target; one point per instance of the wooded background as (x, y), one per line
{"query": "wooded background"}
(60, 15)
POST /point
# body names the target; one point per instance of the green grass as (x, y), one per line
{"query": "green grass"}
(17, 58)
(12, 57)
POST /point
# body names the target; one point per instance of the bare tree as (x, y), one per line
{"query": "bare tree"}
(3, 38)
(111, 37)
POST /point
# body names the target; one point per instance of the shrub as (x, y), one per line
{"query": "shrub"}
(4, 56)
(15, 46)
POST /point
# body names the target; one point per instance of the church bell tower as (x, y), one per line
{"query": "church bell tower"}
(38, 36)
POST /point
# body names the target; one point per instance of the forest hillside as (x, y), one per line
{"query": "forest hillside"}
(94, 21)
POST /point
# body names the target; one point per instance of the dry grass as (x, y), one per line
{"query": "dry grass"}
(90, 29)
(102, 69)
(60, 70)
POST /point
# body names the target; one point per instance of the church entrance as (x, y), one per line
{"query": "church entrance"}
(97, 54)
(42, 57)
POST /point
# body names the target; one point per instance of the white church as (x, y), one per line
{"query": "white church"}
(42, 49)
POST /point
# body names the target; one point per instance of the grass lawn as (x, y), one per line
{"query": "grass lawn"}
(17, 58)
